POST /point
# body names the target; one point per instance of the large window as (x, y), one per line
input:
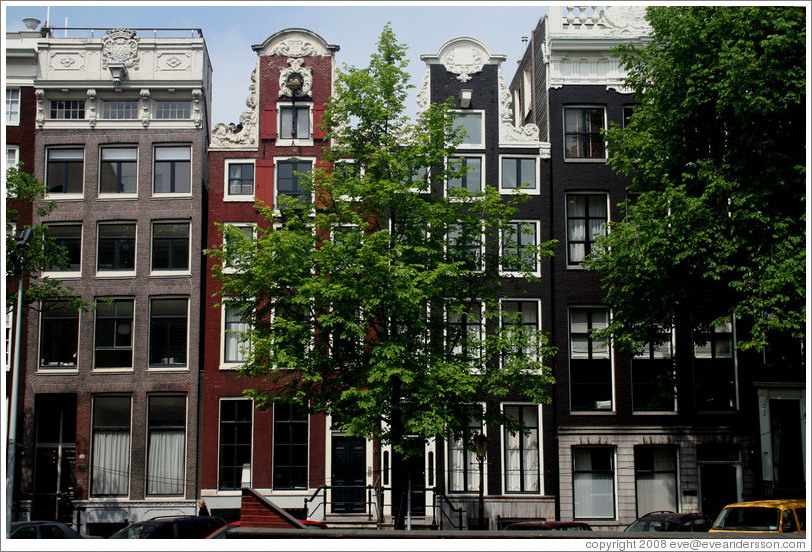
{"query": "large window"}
(519, 242)
(655, 475)
(170, 246)
(521, 318)
(12, 106)
(239, 235)
(463, 467)
(465, 245)
(289, 182)
(593, 482)
(173, 109)
(119, 171)
(166, 435)
(465, 332)
(583, 127)
(114, 334)
(473, 124)
(590, 362)
(59, 335)
(12, 156)
(522, 465)
(65, 171)
(173, 170)
(110, 466)
(289, 447)
(68, 237)
(586, 216)
(653, 374)
(235, 442)
(715, 369)
(519, 173)
(120, 109)
(294, 122)
(240, 179)
(67, 109)
(116, 247)
(236, 342)
(472, 179)
(168, 333)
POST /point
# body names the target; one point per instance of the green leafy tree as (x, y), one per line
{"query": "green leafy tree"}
(715, 150)
(350, 295)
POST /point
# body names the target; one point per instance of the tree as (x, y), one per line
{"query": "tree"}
(23, 190)
(715, 150)
(365, 303)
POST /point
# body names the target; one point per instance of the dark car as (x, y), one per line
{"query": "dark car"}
(171, 527)
(42, 530)
(672, 522)
(222, 532)
(548, 526)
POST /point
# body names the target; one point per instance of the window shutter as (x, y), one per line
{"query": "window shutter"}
(264, 181)
(318, 115)
(267, 122)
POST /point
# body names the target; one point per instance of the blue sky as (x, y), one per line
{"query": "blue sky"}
(231, 30)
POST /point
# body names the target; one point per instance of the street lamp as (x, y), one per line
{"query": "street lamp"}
(24, 238)
(481, 447)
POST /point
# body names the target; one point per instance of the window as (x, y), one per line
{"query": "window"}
(524, 317)
(583, 127)
(655, 474)
(519, 173)
(120, 109)
(235, 442)
(586, 216)
(235, 236)
(173, 170)
(65, 171)
(67, 109)
(290, 183)
(653, 375)
(110, 466)
(240, 179)
(289, 447)
(166, 445)
(519, 247)
(114, 334)
(473, 124)
(12, 106)
(472, 179)
(12, 156)
(173, 109)
(118, 173)
(116, 247)
(170, 246)
(464, 332)
(465, 245)
(593, 481)
(59, 335)
(715, 369)
(419, 178)
(590, 363)
(168, 333)
(294, 122)
(68, 237)
(522, 466)
(463, 467)
(236, 342)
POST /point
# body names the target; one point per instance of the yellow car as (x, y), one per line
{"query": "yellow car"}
(762, 516)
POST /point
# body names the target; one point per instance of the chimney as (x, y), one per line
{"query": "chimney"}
(524, 43)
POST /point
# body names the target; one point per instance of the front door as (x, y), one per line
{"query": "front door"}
(55, 458)
(719, 486)
(416, 470)
(349, 474)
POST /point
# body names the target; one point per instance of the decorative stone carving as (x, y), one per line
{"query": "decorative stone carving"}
(90, 108)
(628, 20)
(464, 61)
(120, 46)
(173, 61)
(423, 95)
(40, 95)
(508, 133)
(296, 66)
(145, 111)
(67, 61)
(197, 111)
(244, 134)
(297, 47)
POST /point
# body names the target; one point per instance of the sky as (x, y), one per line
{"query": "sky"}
(230, 30)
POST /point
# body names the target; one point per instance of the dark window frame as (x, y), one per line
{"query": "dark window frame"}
(58, 336)
(61, 174)
(118, 168)
(587, 219)
(116, 252)
(585, 137)
(177, 247)
(119, 324)
(235, 442)
(294, 424)
(162, 327)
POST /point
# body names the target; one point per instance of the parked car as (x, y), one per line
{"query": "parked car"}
(548, 526)
(762, 516)
(222, 532)
(671, 521)
(171, 527)
(42, 530)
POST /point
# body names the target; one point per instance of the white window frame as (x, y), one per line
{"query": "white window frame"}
(610, 356)
(481, 337)
(65, 274)
(91, 491)
(537, 172)
(564, 134)
(62, 195)
(242, 226)
(482, 238)
(151, 495)
(224, 364)
(522, 300)
(227, 196)
(57, 369)
(12, 115)
(155, 149)
(640, 356)
(579, 265)
(673, 450)
(540, 449)
(12, 157)
(101, 273)
(104, 109)
(133, 336)
(238, 491)
(471, 145)
(170, 272)
(280, 106)
(515, 273)
(613, 457)
(472, 470)
(158, 101)
(482, 179)
(116, 195)
(168, 367)
(295, 159)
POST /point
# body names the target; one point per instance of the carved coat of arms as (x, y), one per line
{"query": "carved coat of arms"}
(120, 46)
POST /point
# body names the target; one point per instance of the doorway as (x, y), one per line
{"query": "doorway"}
(719, 486)
(55, 458)
(348, 474)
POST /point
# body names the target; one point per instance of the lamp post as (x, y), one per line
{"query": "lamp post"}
(481, 446)
(23, 241)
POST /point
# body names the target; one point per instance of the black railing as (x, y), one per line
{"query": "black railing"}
(443, 505)
(370, 503)
(101, 32)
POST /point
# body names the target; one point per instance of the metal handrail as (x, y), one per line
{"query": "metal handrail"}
(49, 31)
(370, 502)
(443, 515)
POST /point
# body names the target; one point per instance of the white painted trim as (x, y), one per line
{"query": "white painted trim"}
(227, 197)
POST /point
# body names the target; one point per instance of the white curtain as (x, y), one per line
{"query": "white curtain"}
(657, 490)
(513, 469)
(522, 458)
(111, 462)
(594, 492)
(166, 462)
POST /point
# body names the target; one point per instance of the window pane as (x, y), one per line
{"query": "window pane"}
(168, 332)
(118, 171)
(235, 442)
(116, 247)
(59, 335)
(114, 325)
(65, 171)
(111, 446)
(290, 447)
(170, 246)
(593, 483)
(173, 170)
(472, 124)
(68, 236)
(241, 179)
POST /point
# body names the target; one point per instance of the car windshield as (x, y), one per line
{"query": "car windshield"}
(652, 525)
(136, 531)
(749, 519)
